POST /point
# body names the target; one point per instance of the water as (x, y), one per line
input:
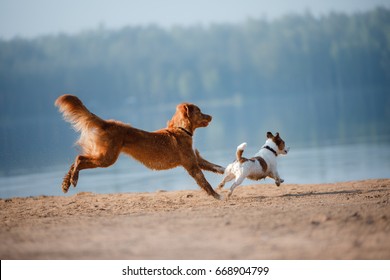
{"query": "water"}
(301, 166)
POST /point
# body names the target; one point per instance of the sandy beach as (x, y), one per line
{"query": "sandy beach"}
(349, 220)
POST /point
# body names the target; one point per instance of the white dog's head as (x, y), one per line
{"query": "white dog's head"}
(281, 148)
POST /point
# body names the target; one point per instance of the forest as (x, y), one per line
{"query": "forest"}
(317, 80)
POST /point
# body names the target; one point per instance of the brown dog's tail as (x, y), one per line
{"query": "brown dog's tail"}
(240, 151)
(82, 121)
(76, 113)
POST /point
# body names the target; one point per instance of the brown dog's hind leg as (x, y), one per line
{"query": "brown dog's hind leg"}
(86, 162)
(82, 162)
(66, 181)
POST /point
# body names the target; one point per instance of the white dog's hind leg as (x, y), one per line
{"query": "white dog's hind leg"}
(238, 182)
(226, 179)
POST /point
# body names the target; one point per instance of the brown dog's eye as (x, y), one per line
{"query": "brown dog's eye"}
(193, 110)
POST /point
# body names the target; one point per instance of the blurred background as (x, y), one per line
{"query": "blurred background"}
(318, 72)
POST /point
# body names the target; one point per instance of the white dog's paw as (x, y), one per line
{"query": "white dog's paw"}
(278, 182)
(229, 194)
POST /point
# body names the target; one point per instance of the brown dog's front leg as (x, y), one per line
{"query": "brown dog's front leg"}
(206, 165)
(197, 174)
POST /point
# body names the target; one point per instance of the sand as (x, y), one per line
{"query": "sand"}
(348, 220)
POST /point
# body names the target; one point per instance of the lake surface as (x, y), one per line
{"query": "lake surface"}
(301, 166)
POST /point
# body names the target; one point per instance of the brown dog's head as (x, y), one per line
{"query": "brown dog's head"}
(189, 117)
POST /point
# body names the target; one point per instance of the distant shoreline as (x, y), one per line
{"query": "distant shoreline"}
(314, 165)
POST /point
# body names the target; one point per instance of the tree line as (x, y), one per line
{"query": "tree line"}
(317, 79)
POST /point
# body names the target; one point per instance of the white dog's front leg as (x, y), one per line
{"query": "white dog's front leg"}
(276, 177)
(279, 181)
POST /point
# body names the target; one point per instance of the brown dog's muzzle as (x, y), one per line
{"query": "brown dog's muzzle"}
(206, 119)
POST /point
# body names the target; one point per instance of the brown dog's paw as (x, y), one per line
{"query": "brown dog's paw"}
(218, 196)
(220, 169)
(65, 186)
(74, 179)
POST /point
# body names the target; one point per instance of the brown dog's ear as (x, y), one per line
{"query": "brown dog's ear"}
(277, 135)
(181, 117)
(188, 110)
(184, 109)
(269, 135)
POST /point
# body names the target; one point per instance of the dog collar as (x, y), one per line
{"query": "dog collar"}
(270, 149)
(186, 131)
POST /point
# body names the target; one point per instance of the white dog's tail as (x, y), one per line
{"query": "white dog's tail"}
(240, 151)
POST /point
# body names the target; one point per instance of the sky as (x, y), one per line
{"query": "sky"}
(32, 18)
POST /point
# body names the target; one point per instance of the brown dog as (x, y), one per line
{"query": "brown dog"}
(102, 141)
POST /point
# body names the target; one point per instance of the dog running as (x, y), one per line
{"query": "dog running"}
(102, 141)
(262, 165)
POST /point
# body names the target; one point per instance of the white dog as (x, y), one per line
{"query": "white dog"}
(263, 164)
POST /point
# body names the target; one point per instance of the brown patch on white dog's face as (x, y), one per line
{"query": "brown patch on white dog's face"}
(279, 142)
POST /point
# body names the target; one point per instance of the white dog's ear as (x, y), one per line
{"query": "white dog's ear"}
(269, 135)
